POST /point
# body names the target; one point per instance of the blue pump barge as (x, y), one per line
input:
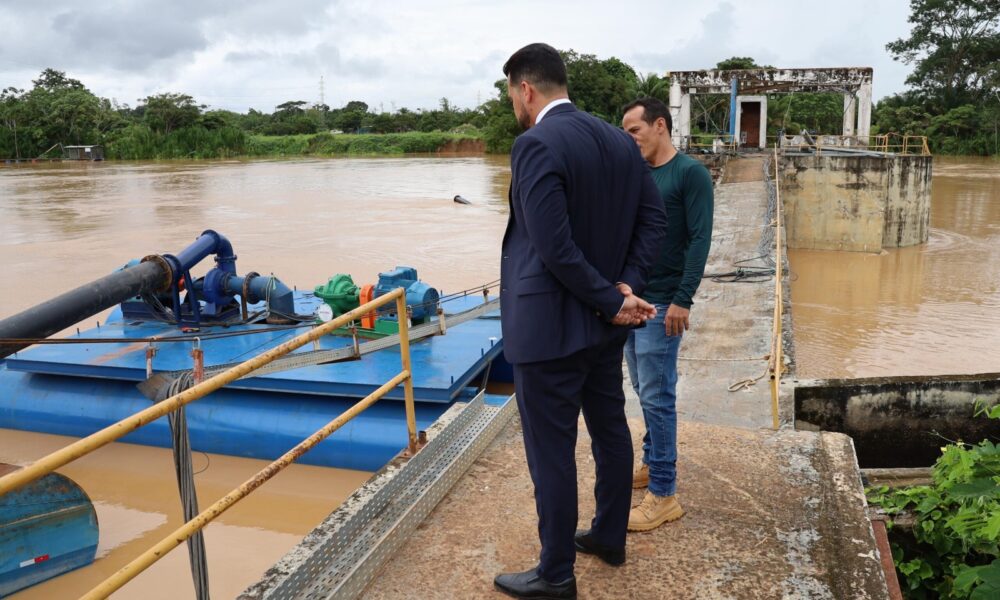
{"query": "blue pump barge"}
(169, 328)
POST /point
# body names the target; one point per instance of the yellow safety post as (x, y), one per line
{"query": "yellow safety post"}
(84, 446)
(777, 364)
(182, 533)
(404, 355)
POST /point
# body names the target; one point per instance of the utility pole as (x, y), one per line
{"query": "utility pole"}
(322, 96)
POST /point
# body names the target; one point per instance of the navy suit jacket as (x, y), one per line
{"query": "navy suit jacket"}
(584, 215)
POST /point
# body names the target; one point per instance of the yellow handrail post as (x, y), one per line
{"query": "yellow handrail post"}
(84, 446)
(776, 366)
(404, 356)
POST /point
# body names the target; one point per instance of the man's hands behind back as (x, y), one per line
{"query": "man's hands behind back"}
(635, 310)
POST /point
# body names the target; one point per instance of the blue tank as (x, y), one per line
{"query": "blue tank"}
(47, 527)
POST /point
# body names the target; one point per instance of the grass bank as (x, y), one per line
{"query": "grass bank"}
(138, 142)
(374, 144)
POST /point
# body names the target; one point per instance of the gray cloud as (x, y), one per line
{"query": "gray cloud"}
(260, 53)
(131, 39)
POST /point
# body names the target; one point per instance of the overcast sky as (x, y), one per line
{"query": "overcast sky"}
(391, 54)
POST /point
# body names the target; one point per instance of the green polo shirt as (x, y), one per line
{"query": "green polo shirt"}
(686, 189)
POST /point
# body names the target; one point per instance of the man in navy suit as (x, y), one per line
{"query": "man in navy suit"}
(586, 222)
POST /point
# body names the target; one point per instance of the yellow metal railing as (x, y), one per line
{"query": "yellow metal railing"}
(889, 143)
(899, 143)
(717, 143)
(776, 362)
(84, 446)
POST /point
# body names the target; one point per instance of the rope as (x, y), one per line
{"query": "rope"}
(746, 383)
(747, 359)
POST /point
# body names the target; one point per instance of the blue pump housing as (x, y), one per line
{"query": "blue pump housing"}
(420, 297)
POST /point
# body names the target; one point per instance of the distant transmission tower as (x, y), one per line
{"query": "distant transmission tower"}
(322, 96)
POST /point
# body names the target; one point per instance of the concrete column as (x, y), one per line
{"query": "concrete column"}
(675, 108)
(684, 127)
(763, 122)
(739, 119)
(850, 104)
(864, 112)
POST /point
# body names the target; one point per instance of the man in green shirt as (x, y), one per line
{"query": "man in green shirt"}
(651, 352)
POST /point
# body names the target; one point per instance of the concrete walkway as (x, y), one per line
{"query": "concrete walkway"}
(731, 321)
(770, 514)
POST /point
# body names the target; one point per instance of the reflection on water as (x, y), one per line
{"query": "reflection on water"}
(929, 309)
(65, 224)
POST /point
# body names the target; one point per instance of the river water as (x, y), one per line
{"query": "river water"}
(64, 224)
(923, 310)
(929, 309)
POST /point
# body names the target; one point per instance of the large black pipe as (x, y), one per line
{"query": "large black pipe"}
(85, 301)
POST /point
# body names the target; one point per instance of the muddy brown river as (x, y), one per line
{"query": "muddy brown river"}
(925, 310)
(64, 224)
(928, 309)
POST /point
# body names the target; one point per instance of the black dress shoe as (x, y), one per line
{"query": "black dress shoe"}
(529, 585)
(586, 544)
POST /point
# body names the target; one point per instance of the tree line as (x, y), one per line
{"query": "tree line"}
(953, 98)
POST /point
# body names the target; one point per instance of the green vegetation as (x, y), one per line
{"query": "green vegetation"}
(61, 110)
(333, 144)
(953, 550)
(954, 95)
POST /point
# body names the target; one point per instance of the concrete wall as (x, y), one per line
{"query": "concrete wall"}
(908, 202)
(899, 421)
(859, 203)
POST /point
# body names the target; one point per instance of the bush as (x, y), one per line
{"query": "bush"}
(139, 142)
(328, 144)
(953, 550)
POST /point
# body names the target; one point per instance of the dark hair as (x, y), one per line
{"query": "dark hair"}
(539, 65)
(652, 109)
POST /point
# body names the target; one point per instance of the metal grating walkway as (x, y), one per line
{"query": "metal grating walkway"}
(343, 564)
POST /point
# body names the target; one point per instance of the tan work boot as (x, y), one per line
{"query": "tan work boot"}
(654, 511)
(640, 478)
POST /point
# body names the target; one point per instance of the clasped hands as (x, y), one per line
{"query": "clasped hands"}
(635, 310)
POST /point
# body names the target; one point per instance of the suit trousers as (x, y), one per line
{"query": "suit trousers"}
(550, 397)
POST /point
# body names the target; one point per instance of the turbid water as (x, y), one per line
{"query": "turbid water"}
(64, 224)
(928, 309)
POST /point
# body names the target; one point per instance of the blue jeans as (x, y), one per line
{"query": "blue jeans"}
(651, 356)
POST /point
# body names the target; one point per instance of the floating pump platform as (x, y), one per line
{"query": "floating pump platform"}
(89, 380)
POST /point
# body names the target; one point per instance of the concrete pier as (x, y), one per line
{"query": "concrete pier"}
(859, 203)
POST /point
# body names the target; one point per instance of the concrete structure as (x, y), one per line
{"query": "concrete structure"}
(855, 83)
(899, 421)
(856, 202)
(769, 515)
